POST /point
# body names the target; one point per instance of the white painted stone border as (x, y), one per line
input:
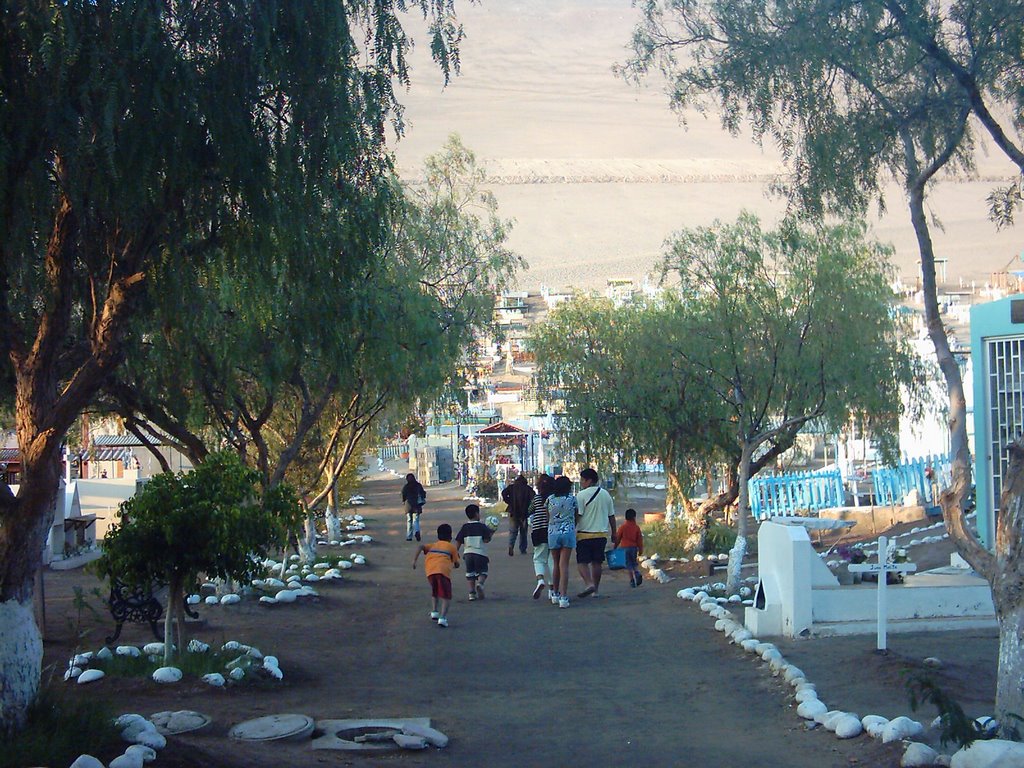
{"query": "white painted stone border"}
(845, 725)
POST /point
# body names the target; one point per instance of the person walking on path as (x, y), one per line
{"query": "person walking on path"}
(562, 512)
(517, 496)
(440, 558)
(472, 541)
(413, 498)
(595, 525)
(539, 535)
(630, 538)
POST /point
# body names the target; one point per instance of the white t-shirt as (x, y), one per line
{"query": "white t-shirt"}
(594, 516)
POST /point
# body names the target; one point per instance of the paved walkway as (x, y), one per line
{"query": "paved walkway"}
(632, 678)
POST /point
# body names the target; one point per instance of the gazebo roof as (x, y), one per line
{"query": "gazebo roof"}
(502, 428)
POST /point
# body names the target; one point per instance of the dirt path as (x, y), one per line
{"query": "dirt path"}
(632, 678)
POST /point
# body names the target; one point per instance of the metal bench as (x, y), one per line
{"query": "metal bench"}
(137, 605)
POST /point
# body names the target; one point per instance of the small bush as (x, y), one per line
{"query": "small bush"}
(59, 729)
(720, 538)
(667, 539)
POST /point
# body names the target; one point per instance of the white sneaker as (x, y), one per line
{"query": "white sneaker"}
(442, 622)
(554, 598)
(434, 615)
(538, 589)
(563, 602)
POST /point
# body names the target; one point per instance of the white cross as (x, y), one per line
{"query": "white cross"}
(883, 568)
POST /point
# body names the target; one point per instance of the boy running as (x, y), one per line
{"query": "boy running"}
(441, 557)
(472, 541)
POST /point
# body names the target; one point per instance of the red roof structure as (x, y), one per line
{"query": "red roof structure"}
(502, 428)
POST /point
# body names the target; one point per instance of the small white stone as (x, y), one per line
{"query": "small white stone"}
(267, 600)
(230, 600)
(901, 728)
(148, 754)
(72, 673)
(918, 755)
(86, 761)
(197, 646)
(127, 760)
(995, 752)
(285, 596)
(237, 673)
(933, 662)
(750, 645)
(874, 725)
(153, 649)
(273, 584)
(215, 679)
(808, 709)
(847, 727)
(312, 578)
(81, 659)
(194, 599)
(167, 675)
(433, 736)
(89, 676)
(274, 672)
(151, 739)
(805, 695)
(791, 672)
(128, 650)
(409, 742)
(212, 600)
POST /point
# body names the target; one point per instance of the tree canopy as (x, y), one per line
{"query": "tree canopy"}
(760, 334)
(148, 148)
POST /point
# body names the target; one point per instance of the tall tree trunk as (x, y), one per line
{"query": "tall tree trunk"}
(739, 549)
(21, 658)
(308, 548)
(1009, 688)
(331, 515)
(24, 525)
(174, 598)
(675, 498)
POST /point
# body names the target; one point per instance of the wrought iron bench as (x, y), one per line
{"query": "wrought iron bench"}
(137, 605)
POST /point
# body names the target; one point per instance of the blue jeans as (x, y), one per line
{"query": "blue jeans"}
(517, 528)
(412, 522)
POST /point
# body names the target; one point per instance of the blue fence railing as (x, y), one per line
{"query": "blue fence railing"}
(772, 495)
(892, 484)
(391, 451)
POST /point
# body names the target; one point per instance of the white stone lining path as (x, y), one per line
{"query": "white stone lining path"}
(847, 725)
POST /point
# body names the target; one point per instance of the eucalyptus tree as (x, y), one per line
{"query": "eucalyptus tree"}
(139, 143)
(292, 367)
(626, 394)
(797, 325)
(854, 93)
(761, 334)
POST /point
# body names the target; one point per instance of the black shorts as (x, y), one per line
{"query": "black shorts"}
(476, 565)
(590, 550)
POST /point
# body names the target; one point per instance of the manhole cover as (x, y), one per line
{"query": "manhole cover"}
(182, 721)
(374, 734)
(273, 727)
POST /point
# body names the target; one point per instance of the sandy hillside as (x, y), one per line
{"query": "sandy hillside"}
(597, 173)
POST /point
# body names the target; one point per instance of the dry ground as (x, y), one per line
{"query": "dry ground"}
(637, 677)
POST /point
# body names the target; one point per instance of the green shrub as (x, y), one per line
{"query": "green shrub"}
(720, 538)
(59, 729)
(667, 539)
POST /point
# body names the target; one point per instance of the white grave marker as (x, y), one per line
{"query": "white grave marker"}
(883, 568)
